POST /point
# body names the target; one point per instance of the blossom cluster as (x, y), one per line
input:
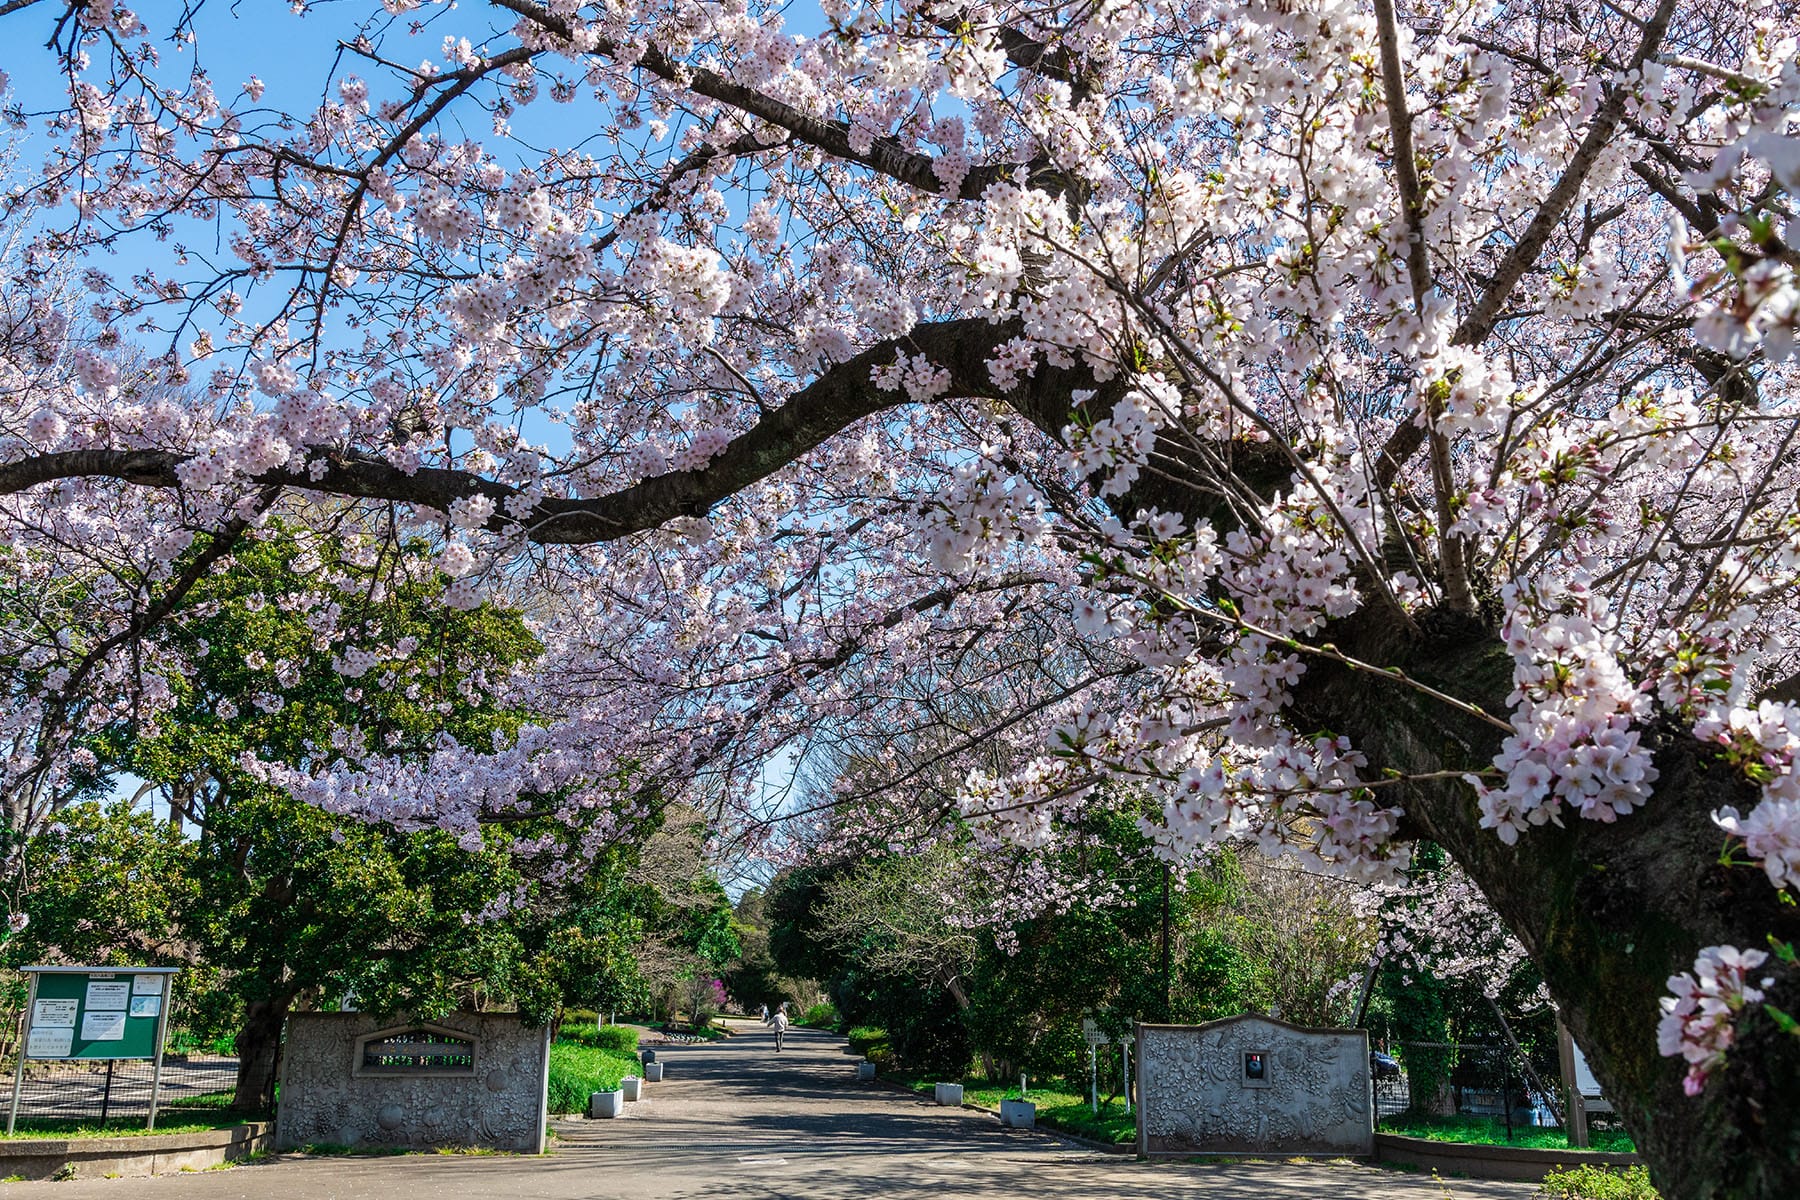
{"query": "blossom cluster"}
(1763, 742)
(1699, 1021)
(1574, 744)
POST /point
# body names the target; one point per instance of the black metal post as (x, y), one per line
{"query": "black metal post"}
(106, 1096)
(1506, 1093)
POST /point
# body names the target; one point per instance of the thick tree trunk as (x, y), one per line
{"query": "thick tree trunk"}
(1607, 911)
(259, 1049)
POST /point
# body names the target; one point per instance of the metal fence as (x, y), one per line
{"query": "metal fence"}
(1475, 1080)
(1393, 1095)
(96, 1091)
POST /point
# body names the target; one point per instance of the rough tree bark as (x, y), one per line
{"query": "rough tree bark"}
(259, 1050)
(1606, 911)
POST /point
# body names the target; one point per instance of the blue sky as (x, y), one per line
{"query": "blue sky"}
(293, 55)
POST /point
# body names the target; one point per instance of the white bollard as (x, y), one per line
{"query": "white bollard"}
(633, 1087)
(653, 1072)
(606, 1104)
(949, 1093)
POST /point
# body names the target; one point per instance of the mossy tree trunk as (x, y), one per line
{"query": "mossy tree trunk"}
(1607, 911)
(259, 1050)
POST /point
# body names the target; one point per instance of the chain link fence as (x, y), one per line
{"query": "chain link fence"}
(198, 1083)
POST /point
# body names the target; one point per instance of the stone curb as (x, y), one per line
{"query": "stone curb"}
(1522, 1164)
(1089, 1143)
(152, 1154)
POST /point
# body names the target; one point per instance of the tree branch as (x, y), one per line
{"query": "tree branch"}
(885, 154)
(1452, 552)
(1486, 313)
(839, 398)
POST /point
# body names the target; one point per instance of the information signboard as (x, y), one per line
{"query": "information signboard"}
(96, 1013)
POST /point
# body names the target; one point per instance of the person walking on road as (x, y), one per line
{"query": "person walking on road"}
(765, 1014)
(781, 1024)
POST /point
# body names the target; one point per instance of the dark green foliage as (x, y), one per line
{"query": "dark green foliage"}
(283, 902)
(923, 1028)
(754, 977)
(1218, 978)
(1235, 943)
(1026, 1008)
(791, 907)
(141, 866)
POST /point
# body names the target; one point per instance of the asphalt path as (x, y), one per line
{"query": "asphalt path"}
(736, 1120)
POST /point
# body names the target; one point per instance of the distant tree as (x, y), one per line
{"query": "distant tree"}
(754, 978)
(292, 901)
(688, 936)
(904, 916)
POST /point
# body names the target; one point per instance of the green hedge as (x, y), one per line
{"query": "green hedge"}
(871, 1042)
(623, 1038)
(585, 1060)
(821, 1016)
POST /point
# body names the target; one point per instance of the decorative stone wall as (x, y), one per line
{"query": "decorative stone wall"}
(471, 1079)
(1253, 1085)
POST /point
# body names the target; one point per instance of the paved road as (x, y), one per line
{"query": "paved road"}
(735, 1121)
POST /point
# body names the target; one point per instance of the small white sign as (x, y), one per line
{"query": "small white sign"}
(146, 1006)
(53, 1014)
(108, 997)
(146, 985)
(49, 1043)
(103, 1026)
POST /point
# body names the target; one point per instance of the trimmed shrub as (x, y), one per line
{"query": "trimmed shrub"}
(622, 1039)
(1598, 1183)
(578, 1071)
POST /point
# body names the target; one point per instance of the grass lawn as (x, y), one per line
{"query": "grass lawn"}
(42, 1128)
(202, 1100)
(1067, 1111)
(1491, 1131)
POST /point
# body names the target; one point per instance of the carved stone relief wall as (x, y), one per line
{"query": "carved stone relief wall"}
(330, 1095)
(1253, 1085)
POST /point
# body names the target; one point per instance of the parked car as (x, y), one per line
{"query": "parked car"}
(1383, 1066)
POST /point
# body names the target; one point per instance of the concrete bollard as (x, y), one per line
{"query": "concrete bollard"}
(633, 1087)
(949, 1093)
(606, 1104)
(865, 1070)
(1020, 1114)
(653, 1072)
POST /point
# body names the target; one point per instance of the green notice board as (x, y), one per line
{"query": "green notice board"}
(96, 1014)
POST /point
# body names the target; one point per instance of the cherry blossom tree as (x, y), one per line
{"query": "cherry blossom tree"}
(1349, 422)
